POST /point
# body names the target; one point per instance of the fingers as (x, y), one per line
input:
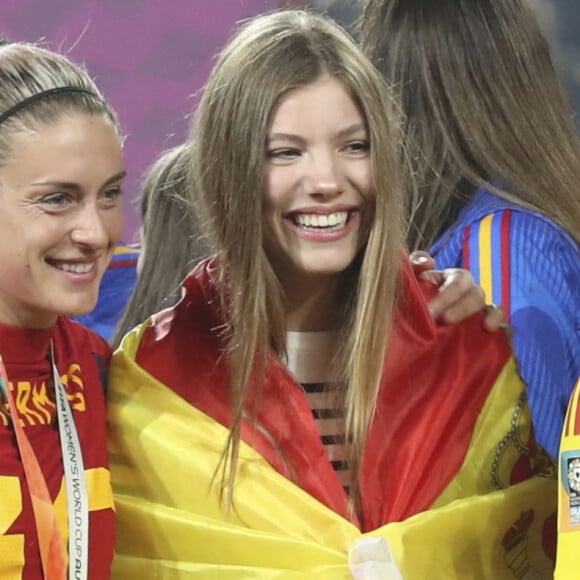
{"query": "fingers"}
(508, 330)
(436, 277)
(495, 319)
(458, 298)
(421, 261)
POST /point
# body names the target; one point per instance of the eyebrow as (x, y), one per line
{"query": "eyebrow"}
(75, 186)
(284, 137)
(352, 129)
(341, 134)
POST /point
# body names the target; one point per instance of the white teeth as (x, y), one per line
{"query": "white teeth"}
(76, 268)
(333, 220)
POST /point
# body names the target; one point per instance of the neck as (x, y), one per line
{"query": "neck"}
(312, 305)
(24, 346)
(12, 314)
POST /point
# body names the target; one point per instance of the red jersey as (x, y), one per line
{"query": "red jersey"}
(82, 358)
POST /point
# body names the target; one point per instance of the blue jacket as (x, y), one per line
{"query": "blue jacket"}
(530, 266)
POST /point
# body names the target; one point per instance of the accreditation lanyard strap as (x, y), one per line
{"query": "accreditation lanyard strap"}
(76, 486)
(50, 541)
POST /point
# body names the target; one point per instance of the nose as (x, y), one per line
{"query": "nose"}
(89, 228)
(324, 178)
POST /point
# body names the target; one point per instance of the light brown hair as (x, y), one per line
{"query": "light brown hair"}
(269, 56)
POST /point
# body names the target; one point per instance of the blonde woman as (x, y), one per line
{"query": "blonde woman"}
(61, 178)
(299, 414)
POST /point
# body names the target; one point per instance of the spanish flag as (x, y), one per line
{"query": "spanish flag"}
(569, 493)
(452, 483)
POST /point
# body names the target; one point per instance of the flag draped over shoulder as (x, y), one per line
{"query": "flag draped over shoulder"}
(569, 493)
(449, 476)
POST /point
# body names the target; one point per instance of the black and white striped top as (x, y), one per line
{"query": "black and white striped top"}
(309, 358)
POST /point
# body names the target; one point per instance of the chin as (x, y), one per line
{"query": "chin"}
(328, 268)
(80, 308)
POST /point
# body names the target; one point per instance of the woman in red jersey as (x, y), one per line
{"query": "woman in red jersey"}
(61, 174)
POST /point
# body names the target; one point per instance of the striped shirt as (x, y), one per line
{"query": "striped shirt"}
(309, 358)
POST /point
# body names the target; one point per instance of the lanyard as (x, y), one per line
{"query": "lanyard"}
(50, 541)
(76, 485)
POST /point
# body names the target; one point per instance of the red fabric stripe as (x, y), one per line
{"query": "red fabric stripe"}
(123, 263)
(126, 250)
(435, 385)
(505, 264)
(466, 252)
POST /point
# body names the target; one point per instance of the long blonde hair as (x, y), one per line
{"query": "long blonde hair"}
(268, 57)
(484, 108)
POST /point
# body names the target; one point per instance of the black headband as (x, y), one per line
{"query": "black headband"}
(38, 96)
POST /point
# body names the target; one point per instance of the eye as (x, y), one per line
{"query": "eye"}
(283, 153)
(111, 195)
(358, 147)
(57, 201)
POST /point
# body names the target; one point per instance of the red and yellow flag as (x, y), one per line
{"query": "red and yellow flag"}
(452, 483)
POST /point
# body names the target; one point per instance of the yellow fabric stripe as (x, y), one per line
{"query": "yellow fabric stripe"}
(99, 487)
(100, 496)
(572, 412)
(11, 545)
(508, 423)
(485, 262)
(164, 432)
(125, 250)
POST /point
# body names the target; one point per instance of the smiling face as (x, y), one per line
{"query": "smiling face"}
(318, 205)
(60, 219)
